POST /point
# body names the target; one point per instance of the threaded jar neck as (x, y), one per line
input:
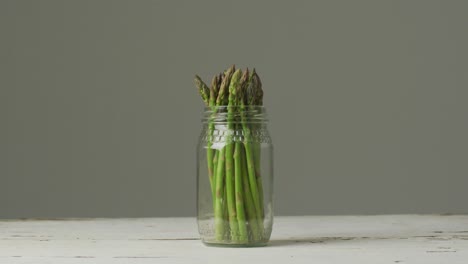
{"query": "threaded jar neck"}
(235, 114)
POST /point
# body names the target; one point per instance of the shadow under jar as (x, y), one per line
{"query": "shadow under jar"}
(235, 177)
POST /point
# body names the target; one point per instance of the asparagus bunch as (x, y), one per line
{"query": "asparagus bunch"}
(234, 169)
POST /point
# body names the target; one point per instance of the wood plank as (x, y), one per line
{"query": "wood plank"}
(307, 239)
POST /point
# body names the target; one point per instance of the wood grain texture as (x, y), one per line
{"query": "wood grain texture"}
(309, 239)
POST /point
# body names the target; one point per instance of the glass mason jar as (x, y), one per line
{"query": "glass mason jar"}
(235, 177)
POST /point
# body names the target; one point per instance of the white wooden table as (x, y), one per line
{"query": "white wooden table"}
(314, 239)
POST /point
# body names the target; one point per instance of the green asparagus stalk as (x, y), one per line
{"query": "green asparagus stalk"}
(218, 85)
(213, 186)
(258, 101)
(203, 89)
(246, 97)
(230, 189)
(226, 215)
(206, 94)
(249, 204)
(219, 94)
(224, 86)
(210, 151)
(221, 194)
(249, 154)
(219, 199)
(240, 193)
(239, 188)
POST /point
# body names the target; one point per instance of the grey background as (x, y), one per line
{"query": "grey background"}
(99, 116)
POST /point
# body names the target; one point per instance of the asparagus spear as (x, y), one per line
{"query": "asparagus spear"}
(202, 89)
(249, 204)
(218, 84)
(219, 207)
(226, 216)
(229, 156)
(243, 234)
(215, 164)
(250, 163)
(258, 97)
(258, 101)
(239, 188)
(210, 151)
(214, 88)
(220, 202)
(223, 88)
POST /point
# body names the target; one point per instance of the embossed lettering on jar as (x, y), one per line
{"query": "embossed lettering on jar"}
(235, 177)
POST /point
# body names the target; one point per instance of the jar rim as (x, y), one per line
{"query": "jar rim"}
(235, 114)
